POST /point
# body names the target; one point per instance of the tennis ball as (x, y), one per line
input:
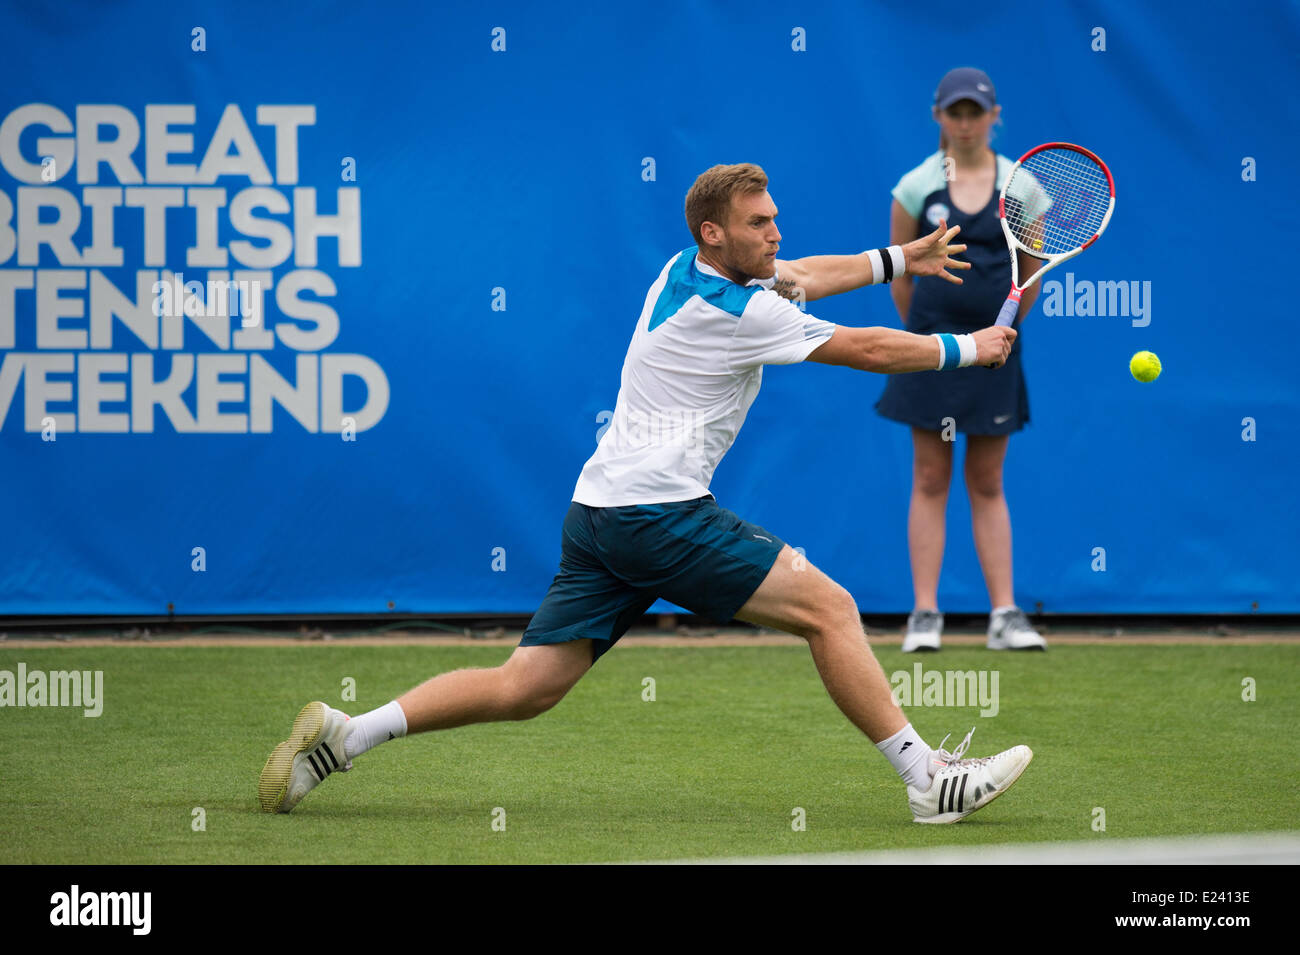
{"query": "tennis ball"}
(1145, 366)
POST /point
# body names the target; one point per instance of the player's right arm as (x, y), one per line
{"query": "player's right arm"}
(890, 351)
(902, 229)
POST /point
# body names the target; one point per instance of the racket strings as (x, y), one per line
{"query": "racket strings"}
(1056, 200)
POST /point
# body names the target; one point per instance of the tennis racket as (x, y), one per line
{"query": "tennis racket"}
(1056, 202)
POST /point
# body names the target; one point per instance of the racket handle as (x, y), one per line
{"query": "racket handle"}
(1009, 308)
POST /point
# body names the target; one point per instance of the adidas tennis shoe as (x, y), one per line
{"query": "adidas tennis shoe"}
(313, 750)
(924, 629)
(963, 785)
(1010, 630)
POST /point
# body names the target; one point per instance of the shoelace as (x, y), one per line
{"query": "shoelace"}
(956, 756)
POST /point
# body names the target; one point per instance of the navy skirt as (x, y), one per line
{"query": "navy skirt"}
(979, 400)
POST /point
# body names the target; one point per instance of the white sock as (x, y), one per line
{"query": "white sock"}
(368, 730)
(998, 610)
(910, 757)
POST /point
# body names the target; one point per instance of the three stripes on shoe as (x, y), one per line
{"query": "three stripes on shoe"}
(953, 793)
(322, 769)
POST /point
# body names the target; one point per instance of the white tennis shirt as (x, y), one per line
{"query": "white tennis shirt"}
(692, 370)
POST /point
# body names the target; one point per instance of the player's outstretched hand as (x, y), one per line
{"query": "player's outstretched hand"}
(993, 345)
(931, 254)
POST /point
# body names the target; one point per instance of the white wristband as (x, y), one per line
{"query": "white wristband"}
(900, 263)
(877, 266)
(967, 345)
(886, 270)
(955, 351)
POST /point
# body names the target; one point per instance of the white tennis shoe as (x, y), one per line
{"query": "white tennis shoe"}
(963, 785)
(313, 750)
(1011, 630)
(924, 630)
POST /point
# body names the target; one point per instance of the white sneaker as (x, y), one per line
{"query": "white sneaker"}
(924, 628)
(1010, 630)
(313, 750)
(964, 785)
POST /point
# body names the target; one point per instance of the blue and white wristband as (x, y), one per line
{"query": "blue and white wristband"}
(955, 351)
(886, 264)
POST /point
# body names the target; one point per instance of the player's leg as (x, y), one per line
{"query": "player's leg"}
(926, 522)
(1009, 628)
(324, 740)
(707, 559)
(942, 786)
(585, 610)
(528, 684)
(800, 599)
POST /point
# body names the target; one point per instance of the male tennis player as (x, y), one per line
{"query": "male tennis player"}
(643, 525)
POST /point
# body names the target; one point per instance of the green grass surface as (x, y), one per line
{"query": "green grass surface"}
(1157, 736)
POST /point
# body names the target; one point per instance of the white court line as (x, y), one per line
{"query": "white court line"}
(1275, 848)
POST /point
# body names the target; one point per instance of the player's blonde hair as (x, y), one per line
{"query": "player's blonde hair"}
(709, 200)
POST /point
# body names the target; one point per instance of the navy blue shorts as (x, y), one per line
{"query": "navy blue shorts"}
(616, 561)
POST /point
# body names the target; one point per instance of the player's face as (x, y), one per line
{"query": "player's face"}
(966, 124)
(750, 237)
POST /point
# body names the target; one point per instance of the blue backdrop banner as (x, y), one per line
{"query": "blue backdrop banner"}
(322, 308)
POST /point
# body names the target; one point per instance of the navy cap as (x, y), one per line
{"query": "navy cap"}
(966, 82)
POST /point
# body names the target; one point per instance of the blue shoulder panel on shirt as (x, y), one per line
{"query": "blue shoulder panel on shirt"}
(685, 281)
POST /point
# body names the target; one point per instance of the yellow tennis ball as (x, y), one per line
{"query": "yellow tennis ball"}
(1145, 366)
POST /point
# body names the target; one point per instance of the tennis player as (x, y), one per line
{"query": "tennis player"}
(960, 184)
(643, 525)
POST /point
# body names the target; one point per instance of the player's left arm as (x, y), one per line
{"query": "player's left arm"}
(817, 276)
